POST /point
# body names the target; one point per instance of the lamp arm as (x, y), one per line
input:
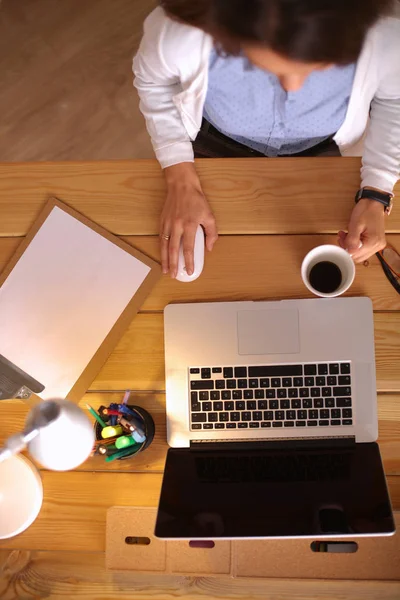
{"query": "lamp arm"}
(16, 443)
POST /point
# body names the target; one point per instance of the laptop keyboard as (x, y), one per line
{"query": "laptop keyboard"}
(270, 396)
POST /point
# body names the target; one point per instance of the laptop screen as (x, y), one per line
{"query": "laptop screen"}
(285, 492)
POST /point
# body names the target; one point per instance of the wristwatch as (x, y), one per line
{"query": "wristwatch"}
(383, 197)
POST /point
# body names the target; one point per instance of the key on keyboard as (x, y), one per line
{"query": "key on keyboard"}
(296, 396)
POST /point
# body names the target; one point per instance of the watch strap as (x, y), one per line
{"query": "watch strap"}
(383, 197)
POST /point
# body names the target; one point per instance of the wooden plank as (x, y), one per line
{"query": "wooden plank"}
(389, 432)
(263, 267)
(138, 360)
(73, 514)
(284, 195)
(13, 414)
(387, 351)
(154, 458)
(267, 267)
(8, 245)
(75, 504)
(154, 402)
(83, 576)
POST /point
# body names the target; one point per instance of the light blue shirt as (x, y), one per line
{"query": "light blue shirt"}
(250, 106)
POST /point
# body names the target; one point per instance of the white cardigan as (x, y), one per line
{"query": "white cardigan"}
(171, 76)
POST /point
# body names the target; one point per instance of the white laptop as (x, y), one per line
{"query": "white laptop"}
(272, 421)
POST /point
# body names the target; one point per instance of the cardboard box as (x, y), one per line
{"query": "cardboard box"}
(132, 546)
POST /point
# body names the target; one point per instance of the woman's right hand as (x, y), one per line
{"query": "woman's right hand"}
(184, 210)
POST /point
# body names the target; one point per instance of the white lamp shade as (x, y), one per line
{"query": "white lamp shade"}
(66, 442)
(21, 495)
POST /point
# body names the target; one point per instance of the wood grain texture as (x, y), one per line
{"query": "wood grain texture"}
(138, 360)
(56, 575)
(74, 511)
(13, 414)
(268, 267)
(73, 516)
(248, 196)
(66, 80)
(66, 93)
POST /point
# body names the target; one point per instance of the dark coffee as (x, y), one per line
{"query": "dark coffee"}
(325, 277)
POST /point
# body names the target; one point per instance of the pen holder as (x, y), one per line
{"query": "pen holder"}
(145, 419)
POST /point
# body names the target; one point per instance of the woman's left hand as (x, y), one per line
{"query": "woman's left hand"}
(367, 226)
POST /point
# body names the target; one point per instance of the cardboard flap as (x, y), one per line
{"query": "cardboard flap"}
(375, 558)
(178, 557)
(183, 558)
(130, 542)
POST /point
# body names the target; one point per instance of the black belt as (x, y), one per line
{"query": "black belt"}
(211, 131)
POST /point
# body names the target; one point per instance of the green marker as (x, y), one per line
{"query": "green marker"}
(122, 453)
(95, 415)
(124, 442)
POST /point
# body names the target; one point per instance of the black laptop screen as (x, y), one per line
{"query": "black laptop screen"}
(274, 493)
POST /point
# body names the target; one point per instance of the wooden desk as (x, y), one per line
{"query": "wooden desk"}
(270, 213)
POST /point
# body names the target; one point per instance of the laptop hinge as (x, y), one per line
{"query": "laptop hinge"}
(275, 444)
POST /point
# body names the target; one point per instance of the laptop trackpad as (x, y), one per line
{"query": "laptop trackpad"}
(268, 331)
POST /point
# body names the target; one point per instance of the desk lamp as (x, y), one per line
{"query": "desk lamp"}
(60, 437)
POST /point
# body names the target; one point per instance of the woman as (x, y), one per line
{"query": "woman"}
(270, 78)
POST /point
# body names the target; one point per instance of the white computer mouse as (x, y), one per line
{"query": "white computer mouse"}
(198, 259)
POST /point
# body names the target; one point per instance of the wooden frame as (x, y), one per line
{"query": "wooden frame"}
(114, 335)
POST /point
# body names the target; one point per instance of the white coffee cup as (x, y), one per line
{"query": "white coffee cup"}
(333, 254)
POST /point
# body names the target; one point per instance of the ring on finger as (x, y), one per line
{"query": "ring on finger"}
(165, 236)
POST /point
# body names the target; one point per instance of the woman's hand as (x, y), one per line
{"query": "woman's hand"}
(367, 226)
(184, 210)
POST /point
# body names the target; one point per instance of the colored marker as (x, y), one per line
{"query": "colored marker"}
(138, 437)
(124, 442)
(126, 397)
(95, 415)
(126, 410)
(134, 421)
(121, 453)
(127, 425)
(102, 411)
(110, 431)
(106, 449)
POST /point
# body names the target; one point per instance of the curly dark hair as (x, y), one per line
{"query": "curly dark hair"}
(323, 31)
